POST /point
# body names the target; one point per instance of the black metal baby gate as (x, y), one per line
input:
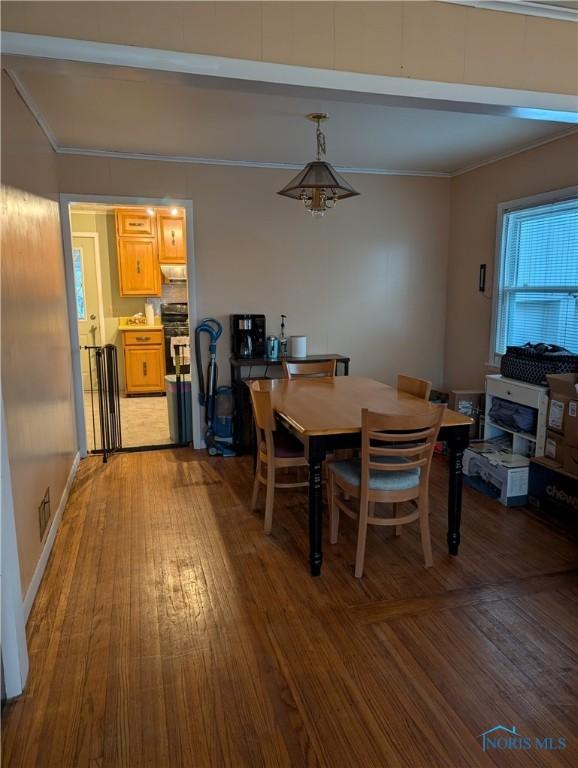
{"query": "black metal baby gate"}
(104, 393)
(102, 404)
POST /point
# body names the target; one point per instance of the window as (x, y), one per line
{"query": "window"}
(536, 296)
(79, 283)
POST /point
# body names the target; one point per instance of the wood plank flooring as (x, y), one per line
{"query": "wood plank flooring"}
(169, 631)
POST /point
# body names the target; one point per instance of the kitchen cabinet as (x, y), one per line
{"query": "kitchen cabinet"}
(138, 266)
(171, 238)
(138, 261)
(145, 240)
(144, 361)
(131, 222)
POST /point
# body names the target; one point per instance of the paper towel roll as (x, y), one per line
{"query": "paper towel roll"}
(298, 346)
(150, 314)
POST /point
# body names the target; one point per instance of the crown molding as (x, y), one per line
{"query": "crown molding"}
(525, 7)
(80, 208)
(229, 162)
(31, 104)
(186, 159)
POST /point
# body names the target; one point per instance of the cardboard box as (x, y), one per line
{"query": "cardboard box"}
(471, 403)
(552, 489)
(571, 460)
(563, 406)
(502, 477)
(561, 453)
(554, 447)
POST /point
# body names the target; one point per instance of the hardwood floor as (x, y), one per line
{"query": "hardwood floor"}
(169, 631)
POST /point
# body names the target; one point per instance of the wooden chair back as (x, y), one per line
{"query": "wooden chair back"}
(309, 370)
(262, 408)
(412, 386)
(411, 438)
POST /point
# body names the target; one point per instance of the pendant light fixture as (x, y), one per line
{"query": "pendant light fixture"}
(318, 186)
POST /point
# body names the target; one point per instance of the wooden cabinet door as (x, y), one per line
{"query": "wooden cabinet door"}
(144, 369)
(134, 222)
(172, 248)
(146, 334)
(138, 267)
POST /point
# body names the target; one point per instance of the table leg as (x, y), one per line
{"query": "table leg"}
(316, 455)
(457, 443)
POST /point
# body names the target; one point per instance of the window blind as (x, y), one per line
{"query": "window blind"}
(537, 298)
(79, 283)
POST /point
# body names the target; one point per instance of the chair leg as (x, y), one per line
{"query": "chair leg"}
(361, 537)
(424, 529)
(333, 510)
(395, 514)
(256, 484)
(270, 499)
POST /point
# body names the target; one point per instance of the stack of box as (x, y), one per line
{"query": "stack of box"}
(553, 482)
(562, 435)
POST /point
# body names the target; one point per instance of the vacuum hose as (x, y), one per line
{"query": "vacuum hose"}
(214, 329)
(208, 395)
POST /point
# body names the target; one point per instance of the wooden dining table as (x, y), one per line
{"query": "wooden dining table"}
(325, 415)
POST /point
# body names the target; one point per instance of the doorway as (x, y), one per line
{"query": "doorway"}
(130, 278)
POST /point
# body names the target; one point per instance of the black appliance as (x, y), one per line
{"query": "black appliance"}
(175, 320)
(248, 335)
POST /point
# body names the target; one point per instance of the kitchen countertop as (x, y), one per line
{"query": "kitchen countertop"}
(139, 327)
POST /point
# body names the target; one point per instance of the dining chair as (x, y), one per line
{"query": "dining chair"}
(276, 449)
(315, 369)
(417, 387)
(394, 474)
(309, 370)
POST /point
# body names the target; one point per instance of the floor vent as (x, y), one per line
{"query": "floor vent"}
(44, 513)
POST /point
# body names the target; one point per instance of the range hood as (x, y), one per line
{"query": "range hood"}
(174, 273)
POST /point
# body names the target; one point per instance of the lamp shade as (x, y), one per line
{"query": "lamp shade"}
(318, 175)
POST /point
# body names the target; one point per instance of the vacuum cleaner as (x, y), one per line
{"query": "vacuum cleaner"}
(217, 425)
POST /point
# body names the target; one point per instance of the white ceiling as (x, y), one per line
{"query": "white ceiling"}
(566, 10)
(94, 107)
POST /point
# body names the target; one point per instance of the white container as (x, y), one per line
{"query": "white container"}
(150, 313)
(298, 346)
(508, 484)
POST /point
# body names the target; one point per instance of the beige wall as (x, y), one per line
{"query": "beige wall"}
(423, 40)
(36, 378)
(474, 200)
(367, 281)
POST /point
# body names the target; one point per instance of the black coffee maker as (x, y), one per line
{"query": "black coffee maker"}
(248, 335)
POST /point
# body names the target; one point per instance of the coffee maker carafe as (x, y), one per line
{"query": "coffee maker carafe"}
(245, 327)
(248, 335)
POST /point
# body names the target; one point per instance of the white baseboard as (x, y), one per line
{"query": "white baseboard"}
(41, 565)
